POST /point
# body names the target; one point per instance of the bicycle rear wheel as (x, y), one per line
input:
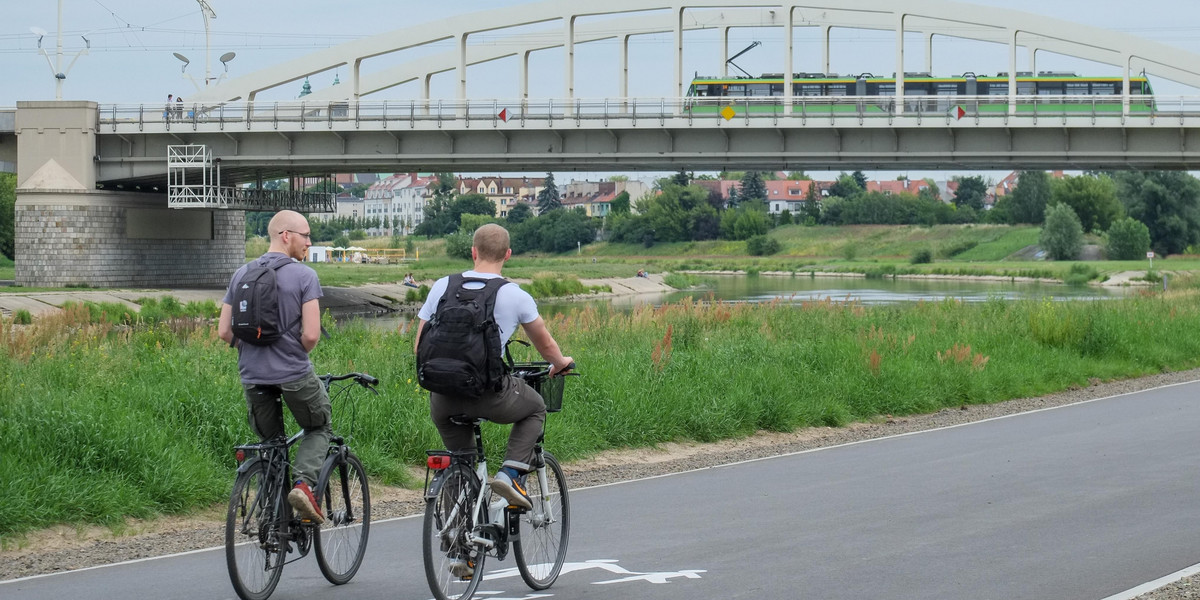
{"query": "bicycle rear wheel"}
(541, 547)
(447, 533)
(253, 552)
(345, 501)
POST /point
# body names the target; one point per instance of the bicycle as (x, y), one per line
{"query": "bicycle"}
(464, 523)
(260, 527)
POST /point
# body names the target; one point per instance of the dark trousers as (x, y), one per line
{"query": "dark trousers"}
(515, 403)
(309, 403)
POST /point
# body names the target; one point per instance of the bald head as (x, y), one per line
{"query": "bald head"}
(491, 242)
(284, 220)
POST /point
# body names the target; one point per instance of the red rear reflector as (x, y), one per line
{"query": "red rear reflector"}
(438, 462)
(240, 455)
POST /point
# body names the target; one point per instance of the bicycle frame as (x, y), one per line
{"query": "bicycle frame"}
(274, 488)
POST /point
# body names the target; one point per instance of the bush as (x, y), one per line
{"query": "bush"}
(1062, 235)
(1080, 274)
(22, 317)
(1127, 239)
(761, 245)
(922, 257)
(458, 245)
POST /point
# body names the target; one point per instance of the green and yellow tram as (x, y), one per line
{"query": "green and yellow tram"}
(1051, 92)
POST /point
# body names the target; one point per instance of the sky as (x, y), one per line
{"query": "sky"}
(131, 59)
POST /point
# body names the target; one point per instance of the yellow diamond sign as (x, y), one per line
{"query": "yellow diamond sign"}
(728, 112)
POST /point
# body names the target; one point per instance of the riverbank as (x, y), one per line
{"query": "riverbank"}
(369, 300)
(1123, 278)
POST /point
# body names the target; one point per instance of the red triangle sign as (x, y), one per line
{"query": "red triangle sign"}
(503, 115)
(959, 112)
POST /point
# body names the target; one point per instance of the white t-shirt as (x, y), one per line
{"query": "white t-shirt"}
(514, 306)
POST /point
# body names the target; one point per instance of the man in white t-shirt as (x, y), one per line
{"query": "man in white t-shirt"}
(516, 402)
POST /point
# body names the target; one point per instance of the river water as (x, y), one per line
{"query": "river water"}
(803, 288)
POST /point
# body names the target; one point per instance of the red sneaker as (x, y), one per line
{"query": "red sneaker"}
(302, 501)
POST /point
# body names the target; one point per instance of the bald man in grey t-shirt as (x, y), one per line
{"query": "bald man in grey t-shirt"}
(283, 369)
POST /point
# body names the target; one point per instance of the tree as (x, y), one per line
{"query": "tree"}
(1030, 197)
(1127, 239)
(471, 204)
(519, 213)
(8, 202)
(1094, 200)
(1167, 202)
(1062, 234)
(681, 178)
(752, 187)
(860, 178)
(812, 205)
(548, 198)
(971, 191)
(798, 176)
(846, 186)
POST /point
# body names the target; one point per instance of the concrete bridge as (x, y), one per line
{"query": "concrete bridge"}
(96, 183)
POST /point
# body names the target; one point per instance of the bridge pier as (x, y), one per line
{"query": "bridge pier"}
(70, 233)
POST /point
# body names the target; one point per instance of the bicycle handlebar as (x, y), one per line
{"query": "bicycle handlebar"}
(362, 379)
(546, 371)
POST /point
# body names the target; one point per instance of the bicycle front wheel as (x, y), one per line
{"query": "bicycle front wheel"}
(453, 565)
(345, 501)
(541, 547)
(253, 551)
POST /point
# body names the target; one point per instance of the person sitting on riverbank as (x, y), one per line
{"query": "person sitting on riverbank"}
(409, 281)
(643, 273)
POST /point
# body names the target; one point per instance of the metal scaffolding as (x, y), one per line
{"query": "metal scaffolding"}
(194, 181)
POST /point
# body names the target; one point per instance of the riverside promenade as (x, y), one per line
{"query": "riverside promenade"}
(342, 302)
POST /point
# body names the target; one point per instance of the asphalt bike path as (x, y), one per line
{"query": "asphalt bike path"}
(1086, 501)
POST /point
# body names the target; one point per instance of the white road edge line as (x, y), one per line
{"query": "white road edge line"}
(1150, 586)
(1146, 587)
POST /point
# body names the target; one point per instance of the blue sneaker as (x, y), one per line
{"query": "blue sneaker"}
(511, 490)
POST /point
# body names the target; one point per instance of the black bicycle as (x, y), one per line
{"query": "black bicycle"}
(464, 524)
(260, 527)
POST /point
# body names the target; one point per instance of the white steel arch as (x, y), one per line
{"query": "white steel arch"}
(639, 17)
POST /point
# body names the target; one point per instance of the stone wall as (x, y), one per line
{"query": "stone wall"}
(101, 239)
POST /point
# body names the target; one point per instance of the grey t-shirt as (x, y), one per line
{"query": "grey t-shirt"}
(514, 306)
(285, 360)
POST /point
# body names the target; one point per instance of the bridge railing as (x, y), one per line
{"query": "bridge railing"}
(717, 110)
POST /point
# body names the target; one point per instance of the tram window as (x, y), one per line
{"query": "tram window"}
(737, 89)
(947, 89)
(759, 89)
(1077, 88)
(887, 89)
(1049, 88)
(836, 89)
(997, 89)
(776, 89)
(1026, 88)
(1104, 89)
(812, 89)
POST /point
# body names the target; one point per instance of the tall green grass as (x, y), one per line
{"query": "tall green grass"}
(102, 421)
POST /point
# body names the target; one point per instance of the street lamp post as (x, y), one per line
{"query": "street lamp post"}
(56, 66)
(207, 13)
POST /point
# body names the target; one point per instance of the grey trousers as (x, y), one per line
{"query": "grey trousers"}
(309, 403)
(516, 403)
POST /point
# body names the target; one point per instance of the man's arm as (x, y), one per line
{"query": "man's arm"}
(417, 338)
(310, 324)
(225, 324)
(546, 346)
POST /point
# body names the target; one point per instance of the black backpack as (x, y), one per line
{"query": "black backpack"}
(256, 318)
(459, 352)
